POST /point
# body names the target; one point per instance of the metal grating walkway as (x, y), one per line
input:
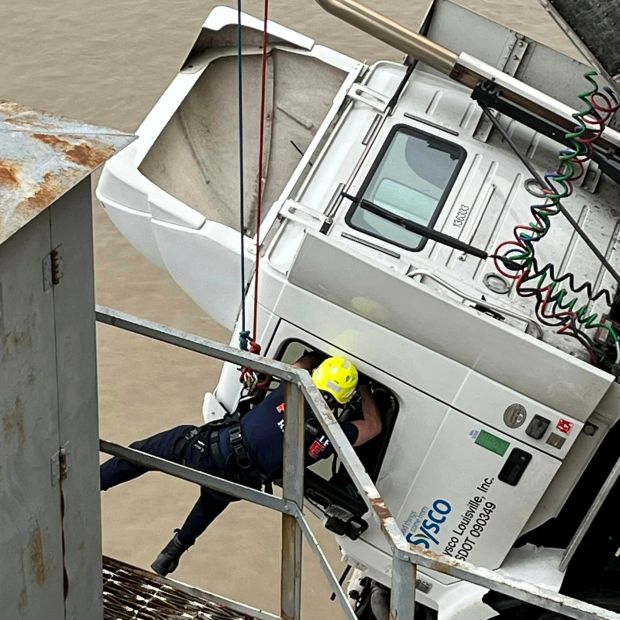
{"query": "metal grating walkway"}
(130, 593)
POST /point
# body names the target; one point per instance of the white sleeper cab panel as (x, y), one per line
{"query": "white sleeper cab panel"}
(175, 193)
(213, 250)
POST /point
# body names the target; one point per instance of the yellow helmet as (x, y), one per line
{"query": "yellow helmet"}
(336, 376)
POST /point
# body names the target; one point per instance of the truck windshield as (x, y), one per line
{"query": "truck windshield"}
(411, 179)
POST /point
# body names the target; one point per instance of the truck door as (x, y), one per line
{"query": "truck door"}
(455, 485)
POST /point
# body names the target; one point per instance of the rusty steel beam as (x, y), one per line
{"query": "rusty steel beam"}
(42, 156)
(401, 549)
(191, 342)
(292, 493)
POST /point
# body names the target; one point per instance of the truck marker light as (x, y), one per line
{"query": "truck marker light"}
(565, 426)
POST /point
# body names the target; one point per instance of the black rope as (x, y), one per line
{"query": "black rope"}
(242, 336)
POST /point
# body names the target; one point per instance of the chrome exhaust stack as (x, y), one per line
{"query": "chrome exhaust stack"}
(392, 33)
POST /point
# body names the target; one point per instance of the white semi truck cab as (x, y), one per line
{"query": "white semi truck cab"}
(389, 191)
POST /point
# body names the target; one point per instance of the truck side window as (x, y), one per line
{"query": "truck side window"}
(372, 453)
(327, 485)
(411, 179)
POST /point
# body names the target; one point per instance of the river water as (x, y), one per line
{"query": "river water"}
(107, 63)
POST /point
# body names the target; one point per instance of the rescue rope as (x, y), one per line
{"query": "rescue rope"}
(261, 149)
(247, 339)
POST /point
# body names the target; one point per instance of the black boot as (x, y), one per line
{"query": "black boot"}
(168, 558)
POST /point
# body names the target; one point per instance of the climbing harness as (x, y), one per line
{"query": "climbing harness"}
(203, 440)
(254, 381)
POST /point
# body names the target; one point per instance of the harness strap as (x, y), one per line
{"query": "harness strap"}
(180, 447)
(239, 448)
(213, 441)
(206, 439)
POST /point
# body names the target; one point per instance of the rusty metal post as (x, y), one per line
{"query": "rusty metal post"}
(49, 502)
(402, 599)
(293, 492)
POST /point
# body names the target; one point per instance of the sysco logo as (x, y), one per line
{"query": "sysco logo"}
(431, 526)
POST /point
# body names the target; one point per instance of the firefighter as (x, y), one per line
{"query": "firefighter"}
(246, 449)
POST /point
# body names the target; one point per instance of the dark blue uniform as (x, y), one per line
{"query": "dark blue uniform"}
(262, 429)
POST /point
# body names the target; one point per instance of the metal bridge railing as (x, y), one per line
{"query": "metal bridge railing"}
(405, 557)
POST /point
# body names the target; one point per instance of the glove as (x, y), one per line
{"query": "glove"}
(168, 558)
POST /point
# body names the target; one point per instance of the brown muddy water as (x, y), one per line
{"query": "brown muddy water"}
(107, 63)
